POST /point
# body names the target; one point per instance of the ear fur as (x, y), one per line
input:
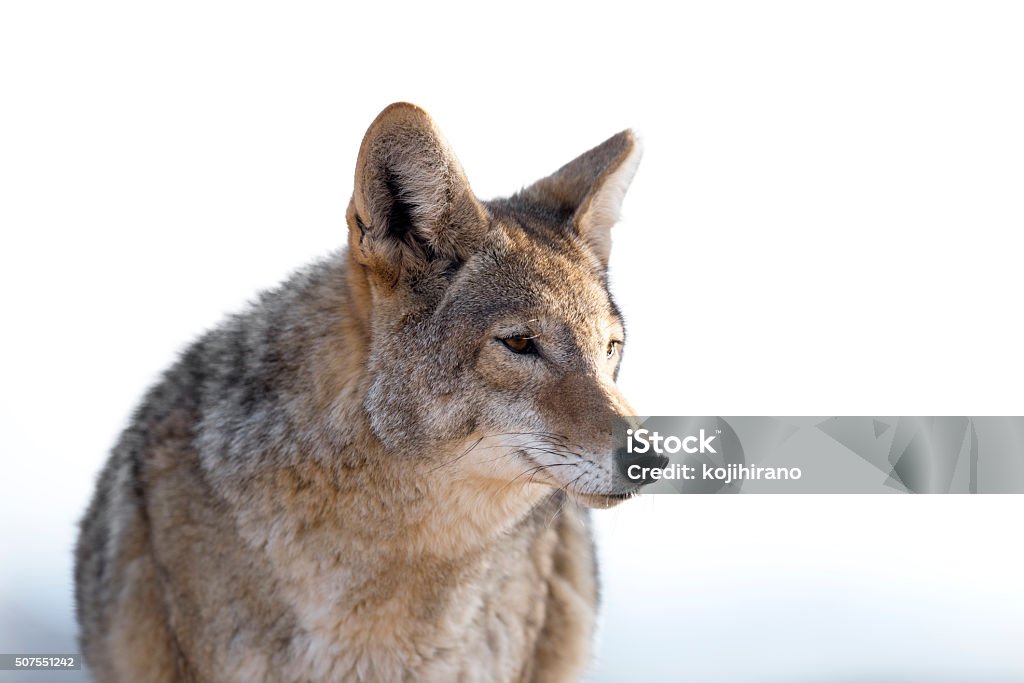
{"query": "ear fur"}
(412, 207)
(590, 189)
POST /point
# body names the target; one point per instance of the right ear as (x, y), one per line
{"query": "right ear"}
(412, 208)
(590, 189)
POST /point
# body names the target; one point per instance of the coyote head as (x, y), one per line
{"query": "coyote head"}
(494, 343)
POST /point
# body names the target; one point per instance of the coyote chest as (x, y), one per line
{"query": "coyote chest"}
(485, 627)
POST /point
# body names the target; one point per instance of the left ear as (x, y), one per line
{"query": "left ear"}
(589, 190)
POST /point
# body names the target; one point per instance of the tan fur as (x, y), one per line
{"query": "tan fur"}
(357, 480)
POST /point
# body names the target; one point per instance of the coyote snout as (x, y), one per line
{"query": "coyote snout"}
(369, 474)
(568, 439)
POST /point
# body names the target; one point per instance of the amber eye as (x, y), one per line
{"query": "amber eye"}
(520, 345)
(613, 348)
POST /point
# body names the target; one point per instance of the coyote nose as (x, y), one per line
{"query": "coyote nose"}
(637, 468)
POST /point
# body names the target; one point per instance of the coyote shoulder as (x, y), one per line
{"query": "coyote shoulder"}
(381, 470)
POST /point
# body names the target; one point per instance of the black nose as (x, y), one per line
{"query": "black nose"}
(637, 468)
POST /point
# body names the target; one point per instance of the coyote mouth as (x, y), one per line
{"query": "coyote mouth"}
(604, 501)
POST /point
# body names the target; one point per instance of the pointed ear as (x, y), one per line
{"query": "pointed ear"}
(412, 208)
(590, 189)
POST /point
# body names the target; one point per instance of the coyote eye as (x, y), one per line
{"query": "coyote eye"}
(613, 348)
(520, 345)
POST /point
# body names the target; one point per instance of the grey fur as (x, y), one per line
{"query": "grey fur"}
(324, 486)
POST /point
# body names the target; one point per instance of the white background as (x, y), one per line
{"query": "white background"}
(827, 221)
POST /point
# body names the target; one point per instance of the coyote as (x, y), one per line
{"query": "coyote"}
(380, 471)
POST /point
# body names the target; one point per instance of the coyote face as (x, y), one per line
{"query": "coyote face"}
(495, 342)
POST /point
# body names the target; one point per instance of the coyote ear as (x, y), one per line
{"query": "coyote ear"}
(412, 204)
(590, 189)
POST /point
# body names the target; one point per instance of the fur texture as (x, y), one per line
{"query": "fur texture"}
(379, 471)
